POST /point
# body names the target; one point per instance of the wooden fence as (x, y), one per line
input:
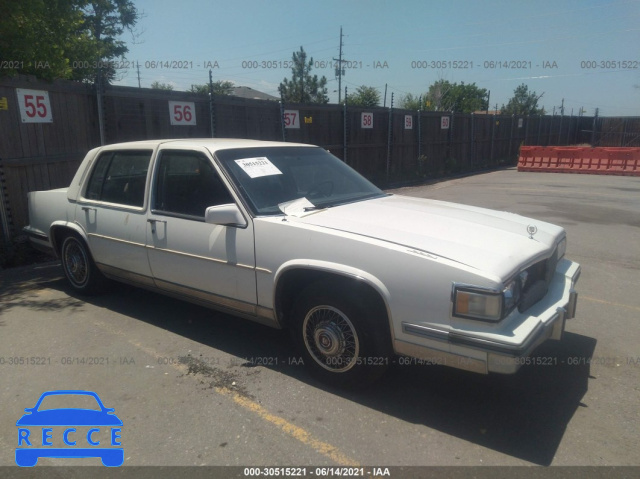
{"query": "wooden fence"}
(397, 146)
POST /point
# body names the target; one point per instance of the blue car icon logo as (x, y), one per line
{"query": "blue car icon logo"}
(66, 432)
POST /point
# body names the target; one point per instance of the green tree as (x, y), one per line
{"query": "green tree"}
(303, 88)
(156, 85)
(464, 98)
(220, 87)
(364, 96)
(37, 36)
(412, 102)
(105, 21)
(69, 39)
(523, 102)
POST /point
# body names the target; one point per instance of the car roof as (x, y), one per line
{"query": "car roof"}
(213, 144)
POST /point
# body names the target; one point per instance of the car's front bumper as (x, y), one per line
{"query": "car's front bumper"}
(485, 353)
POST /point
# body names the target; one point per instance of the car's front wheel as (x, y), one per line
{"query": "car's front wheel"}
(78, 265)
(341, 339)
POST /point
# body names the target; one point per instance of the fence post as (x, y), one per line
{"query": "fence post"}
(100, 100)
(593, 128)
(419, 133)
(389, 137)
(493, 136)
(539, 129)
(513, 116)
(212, 114)
(560, 130)
(284, 131)
(473, 141)
(452, 125)
(344, 123)
(4, 210)
(526, 130)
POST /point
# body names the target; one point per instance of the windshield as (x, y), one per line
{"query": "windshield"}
(267, 177)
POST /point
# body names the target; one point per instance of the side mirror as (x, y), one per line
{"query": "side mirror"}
(226, 215)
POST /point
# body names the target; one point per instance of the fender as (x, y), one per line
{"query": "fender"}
(338, 269)
(73, 226)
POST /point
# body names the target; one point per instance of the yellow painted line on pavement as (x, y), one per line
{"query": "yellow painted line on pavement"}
(602, 301)
(292, 430)
(296, 432)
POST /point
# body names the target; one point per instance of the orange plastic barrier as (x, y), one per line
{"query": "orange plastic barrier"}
(577, 159)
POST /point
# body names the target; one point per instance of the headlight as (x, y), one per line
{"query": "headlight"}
(488, 305)
(477, 304)
(512, 294)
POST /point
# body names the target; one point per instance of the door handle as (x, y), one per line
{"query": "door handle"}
(87, 208)
(153, 222)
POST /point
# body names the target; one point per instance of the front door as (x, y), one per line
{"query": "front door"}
(211, 263)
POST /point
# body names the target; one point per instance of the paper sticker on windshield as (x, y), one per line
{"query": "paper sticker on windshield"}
(257, 167)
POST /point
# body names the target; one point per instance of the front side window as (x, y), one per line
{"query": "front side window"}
(119, 177)
(187, 184)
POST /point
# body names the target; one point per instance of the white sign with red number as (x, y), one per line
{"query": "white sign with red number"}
(366, 120)
(408, 122)
(292, 119)
(444, 122)
(34, 106)
(182, 112)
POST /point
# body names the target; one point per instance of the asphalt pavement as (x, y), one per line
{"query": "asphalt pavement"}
(197, 387)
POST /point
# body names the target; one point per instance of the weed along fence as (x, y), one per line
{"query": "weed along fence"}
(46, 128)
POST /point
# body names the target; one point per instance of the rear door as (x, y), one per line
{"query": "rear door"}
(112, 211)
(212, 263)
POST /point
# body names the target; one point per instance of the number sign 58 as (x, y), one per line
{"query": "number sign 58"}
(34, 106)
(366, 120)
(182, 112)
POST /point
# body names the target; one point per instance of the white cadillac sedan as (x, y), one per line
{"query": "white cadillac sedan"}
(290, 236)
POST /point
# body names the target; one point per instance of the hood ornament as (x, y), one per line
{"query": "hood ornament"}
(532, 230)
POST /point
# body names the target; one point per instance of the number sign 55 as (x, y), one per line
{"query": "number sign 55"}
(34, 106)
(182, 112)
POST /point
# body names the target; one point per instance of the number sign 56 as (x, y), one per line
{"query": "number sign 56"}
(34, 106)
(182, 112)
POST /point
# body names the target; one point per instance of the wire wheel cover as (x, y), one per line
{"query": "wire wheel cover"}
(331, 339)
(76, 263)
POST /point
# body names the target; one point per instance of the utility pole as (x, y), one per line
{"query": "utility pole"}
(593, 128)
(339, 70)
(138, 65)
(562, 108)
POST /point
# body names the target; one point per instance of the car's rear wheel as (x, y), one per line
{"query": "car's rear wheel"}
(342, 341)
(78, 266)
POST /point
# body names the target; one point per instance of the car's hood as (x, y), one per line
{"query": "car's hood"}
(491, 241)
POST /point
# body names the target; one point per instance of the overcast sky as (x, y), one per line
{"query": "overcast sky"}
(583, 51)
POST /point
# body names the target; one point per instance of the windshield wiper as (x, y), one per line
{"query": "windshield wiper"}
(313, 208)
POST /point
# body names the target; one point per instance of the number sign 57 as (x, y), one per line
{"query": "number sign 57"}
(34, 106)
(182, 112)
(292, 119)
